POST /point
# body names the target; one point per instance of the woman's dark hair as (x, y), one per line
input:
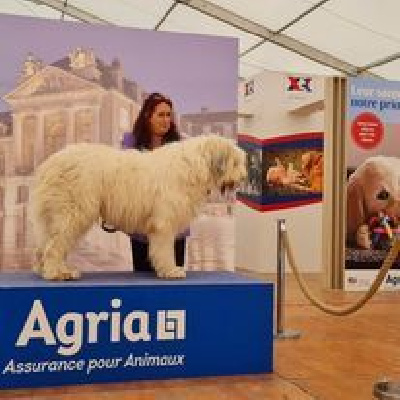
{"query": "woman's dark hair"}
(141, 128)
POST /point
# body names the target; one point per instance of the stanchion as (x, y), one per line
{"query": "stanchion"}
(281, 333)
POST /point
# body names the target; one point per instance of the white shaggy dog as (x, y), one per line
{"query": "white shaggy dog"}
(155, 193)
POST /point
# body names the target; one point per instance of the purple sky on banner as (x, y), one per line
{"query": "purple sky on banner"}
(194, 70)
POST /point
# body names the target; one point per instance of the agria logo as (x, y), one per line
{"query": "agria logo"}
(72, 329)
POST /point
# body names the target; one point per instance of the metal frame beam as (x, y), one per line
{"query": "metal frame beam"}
(381, 61)
(168, 12)
(302, 15)
(288, 25)
(243, 24)
(279, 39)
(72, 11)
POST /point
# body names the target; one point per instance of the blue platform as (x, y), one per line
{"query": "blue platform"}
(113, 327)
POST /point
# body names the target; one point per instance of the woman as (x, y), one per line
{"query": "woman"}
(154, 127)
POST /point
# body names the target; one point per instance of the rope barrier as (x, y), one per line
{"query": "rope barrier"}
(333, 310)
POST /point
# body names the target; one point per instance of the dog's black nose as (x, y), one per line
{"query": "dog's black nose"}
(383, 195)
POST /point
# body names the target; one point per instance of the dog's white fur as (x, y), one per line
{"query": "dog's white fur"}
(155, 193)
(375, 174)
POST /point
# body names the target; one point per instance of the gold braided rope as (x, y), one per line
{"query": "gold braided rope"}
(386, 265)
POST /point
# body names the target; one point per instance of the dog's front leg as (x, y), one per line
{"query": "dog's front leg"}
(162, 255)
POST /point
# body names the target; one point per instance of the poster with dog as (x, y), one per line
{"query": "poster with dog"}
(373, 178)
(68, 82)
(284, 171)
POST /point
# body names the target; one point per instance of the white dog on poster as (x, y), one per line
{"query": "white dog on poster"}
(373, 188)
(155, 193)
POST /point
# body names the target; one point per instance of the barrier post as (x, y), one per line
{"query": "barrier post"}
(281, 333)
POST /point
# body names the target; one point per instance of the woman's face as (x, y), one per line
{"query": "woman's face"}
(160, 120)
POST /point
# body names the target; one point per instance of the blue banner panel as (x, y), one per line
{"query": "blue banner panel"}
(113, 327)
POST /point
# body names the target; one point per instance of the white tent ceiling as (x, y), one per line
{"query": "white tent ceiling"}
(320, 37)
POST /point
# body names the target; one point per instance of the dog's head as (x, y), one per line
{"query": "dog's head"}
(225, 161)
(373, 188)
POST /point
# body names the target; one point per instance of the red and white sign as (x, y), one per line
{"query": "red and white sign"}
(367, 130)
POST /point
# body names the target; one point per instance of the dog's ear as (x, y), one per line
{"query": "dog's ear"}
(216, 155)
(355, 206)
(218, 164)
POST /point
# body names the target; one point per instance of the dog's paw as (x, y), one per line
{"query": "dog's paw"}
(61, 273)
(172, 273)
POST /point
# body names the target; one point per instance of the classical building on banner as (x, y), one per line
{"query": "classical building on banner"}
(223, 123)
(76, 99)
(80, 98)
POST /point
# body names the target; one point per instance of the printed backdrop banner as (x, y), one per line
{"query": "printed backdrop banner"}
(67, 82)
(373, 165)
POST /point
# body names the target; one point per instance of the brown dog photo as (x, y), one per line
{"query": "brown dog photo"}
(372, 192)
